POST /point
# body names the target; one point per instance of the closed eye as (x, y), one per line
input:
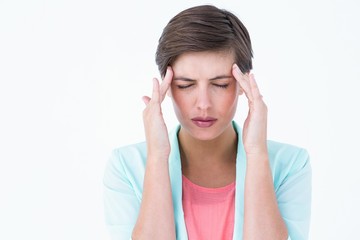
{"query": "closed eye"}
(221, 85)
(184, 86)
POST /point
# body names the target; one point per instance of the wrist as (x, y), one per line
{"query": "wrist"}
(257, 156)
(158, 156)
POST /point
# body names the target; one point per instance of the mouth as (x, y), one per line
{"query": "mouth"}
(203, 122)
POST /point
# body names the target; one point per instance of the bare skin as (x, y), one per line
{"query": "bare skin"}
(262, 219)
(208, 154)
(156, 222)
(211, 164)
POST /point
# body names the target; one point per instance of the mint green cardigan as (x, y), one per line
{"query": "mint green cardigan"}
(124, 176)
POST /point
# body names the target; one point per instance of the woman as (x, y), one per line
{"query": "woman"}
(208, 178)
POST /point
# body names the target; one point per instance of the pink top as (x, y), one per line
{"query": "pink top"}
(209, 212)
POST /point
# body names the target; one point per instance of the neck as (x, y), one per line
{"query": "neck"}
(217, 152)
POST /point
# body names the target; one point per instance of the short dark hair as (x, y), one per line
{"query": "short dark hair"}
(204, 28)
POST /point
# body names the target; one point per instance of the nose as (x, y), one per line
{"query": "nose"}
(203, 100)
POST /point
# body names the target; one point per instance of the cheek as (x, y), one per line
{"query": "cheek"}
(226, 98)
(227, 105)
(179, 100)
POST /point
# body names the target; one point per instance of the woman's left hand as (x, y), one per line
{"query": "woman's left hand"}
(255, 126)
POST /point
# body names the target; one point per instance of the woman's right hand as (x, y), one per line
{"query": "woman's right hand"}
(154, 222)
(156, 133)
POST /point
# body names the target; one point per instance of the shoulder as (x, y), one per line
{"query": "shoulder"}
(132, 152)
(287, 161)
(287, 155)
(129, 155)
(283, 157)
(127, 162)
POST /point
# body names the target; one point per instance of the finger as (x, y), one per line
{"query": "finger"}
(258, 98)
(243, 80)
(254, 87)
(156, 91)
(166, 83)
(146, 100)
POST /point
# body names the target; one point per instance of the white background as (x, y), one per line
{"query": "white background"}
(72, 74)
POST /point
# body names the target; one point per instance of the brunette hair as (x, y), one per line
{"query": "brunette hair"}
(204, 28)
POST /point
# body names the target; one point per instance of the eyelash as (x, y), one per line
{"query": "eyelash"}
(184, 86)
(216, 85)
(221, 85)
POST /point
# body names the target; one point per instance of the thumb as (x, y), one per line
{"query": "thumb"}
(146, 100)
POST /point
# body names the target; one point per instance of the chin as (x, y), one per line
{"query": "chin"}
(204, 137)
(203, 134)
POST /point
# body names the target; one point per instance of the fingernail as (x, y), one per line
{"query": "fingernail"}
(166, 72)
(252, 77)
(236, 67)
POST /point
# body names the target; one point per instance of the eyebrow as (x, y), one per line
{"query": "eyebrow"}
(220, 77)
(184, 79)
(193, 80)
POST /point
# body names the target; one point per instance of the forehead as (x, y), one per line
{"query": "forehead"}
(203, 64)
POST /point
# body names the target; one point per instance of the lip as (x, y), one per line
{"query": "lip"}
(203, 122)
